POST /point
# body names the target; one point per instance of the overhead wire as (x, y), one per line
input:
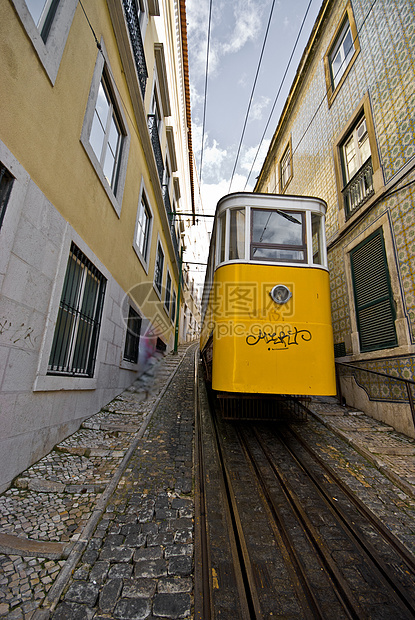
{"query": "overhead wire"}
(328, 89)
(252, 93)
(279, 91)
(206, 83)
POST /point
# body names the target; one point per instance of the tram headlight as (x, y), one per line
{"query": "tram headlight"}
(280, 294)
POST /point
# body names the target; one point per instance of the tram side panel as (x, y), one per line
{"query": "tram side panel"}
(259, 346)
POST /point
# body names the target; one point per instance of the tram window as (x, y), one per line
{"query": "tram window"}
(278, 235)
(222, 237)
(237, 234)
(316, 224)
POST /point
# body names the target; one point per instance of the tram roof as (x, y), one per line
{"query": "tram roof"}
(272, 201)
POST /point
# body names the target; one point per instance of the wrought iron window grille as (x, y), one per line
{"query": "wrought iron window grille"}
(155, 141)
(359, 189)
(133, 23)
(75, 340)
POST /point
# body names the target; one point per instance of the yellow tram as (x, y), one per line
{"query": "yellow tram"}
(266, 320)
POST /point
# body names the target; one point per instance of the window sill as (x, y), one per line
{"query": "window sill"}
(53, 383)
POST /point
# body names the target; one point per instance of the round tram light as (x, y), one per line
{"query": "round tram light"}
(280, 294)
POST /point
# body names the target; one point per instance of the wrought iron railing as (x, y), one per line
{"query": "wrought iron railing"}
(170, 216)
(133, 23)
(359, 188)
(155, 141)
(379, 386)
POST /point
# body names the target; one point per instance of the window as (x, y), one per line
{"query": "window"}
(77, 328)
(47, 24)
(143, 229)
(341, 53)
(43, 13)
(158, 272)
(132, 337)
(285, 169)
(167, 299)
(278, 236)
(237, 234)
(105, 135)
(6, 182)
(375, 313)
(357, 168)
(221, 236)
(317, 231)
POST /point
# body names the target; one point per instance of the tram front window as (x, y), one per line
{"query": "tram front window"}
(278, 236)
(237, 234)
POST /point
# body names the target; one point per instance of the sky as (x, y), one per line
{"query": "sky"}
(238, 29)
(236, 46)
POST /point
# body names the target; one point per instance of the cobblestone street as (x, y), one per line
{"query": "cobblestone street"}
(103, 526)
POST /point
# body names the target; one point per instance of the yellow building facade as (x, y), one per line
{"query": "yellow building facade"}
(346, 135)
(95, 152)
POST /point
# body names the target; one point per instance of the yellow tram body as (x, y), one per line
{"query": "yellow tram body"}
(252, 341)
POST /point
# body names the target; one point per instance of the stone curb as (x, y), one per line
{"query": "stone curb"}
(15, 545)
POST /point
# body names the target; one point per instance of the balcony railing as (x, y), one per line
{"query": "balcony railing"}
(170, 216)
(359, 189)
(155, 141)
(131, 17)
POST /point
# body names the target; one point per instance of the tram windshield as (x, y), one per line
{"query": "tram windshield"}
(278, 235)
(237, 234)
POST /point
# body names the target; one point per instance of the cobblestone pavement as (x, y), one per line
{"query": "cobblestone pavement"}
(110, 507)
(102, 527)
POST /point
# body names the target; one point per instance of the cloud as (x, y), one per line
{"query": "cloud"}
(246, 28)
(258, 107)
(249, 161)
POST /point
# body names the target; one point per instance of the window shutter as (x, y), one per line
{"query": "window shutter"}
(373, 294)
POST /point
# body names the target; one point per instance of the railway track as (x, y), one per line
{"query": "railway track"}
(283, 536)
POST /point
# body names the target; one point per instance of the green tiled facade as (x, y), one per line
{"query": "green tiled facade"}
(382, 74)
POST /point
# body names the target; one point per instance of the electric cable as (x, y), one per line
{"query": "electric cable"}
(252, 93)
(206, 83)
(279, 91)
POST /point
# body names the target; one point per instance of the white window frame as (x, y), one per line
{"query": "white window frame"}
(143, 200)
(49, 52)
(337, 49)
(102, 67)
(357, 144)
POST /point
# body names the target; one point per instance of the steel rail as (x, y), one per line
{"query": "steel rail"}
(363, 542)
(341, 589)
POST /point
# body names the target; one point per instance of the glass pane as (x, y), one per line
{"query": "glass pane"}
(277, 254)
(277, 227)
(36, 9)
(102, 105)
(109, 167)
(96, 138)
(350, 159)
(237, 234)
(90, 296)
(364, 148)
(114, 137)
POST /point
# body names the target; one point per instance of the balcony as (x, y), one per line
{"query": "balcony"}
(359, 189)
(133, 23)
(170, 217)
(155, 141)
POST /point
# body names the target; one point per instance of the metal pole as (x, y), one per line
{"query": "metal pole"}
(176, 328)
